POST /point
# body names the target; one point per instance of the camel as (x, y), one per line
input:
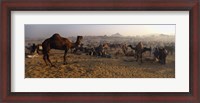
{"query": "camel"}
(124, 49)
(106, 46)
(60, 43)
(90, 51)
(160, 54)
(99, 50)
(139, 49)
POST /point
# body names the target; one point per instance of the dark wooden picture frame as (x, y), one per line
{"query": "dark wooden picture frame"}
(193, 96)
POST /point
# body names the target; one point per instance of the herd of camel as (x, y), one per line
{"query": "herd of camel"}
(61, 43)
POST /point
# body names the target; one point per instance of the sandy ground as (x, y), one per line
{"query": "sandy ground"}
(85, 66)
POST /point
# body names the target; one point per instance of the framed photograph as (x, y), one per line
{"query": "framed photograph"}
(100, 51)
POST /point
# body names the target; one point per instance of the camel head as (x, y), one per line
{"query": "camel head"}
(79, 39)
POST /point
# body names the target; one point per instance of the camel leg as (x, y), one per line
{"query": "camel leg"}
(141, 57)
(150, 54)
(45, 58)
(137, 57)
(50, 60)
(65, 56)
(164, 61)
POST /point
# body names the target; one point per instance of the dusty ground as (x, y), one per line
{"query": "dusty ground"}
(85, 66)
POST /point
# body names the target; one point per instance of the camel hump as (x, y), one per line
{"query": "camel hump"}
(140, 45)
(55, 36)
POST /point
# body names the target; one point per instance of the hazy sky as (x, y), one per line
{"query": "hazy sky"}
(66, 30)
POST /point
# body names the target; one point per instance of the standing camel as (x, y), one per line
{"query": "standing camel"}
(144, 49)
(124, 48)
(60, 43)
(139, 50)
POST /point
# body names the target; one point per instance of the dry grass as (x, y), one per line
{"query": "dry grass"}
(84, 66)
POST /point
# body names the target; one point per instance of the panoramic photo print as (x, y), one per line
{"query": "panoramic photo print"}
(99, 51)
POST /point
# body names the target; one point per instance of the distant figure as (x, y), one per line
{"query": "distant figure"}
(33, 48)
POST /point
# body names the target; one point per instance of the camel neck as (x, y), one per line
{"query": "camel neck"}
(132, 47)
(77, 43)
